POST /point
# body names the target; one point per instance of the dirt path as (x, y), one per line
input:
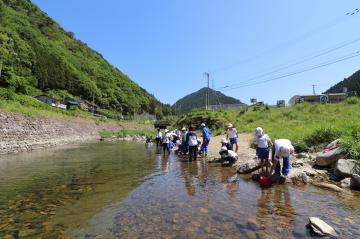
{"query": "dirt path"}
(244, 152)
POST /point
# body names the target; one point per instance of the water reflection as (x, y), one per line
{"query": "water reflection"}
(176, 199)
(275, 210)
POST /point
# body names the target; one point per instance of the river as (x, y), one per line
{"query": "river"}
(124, 190)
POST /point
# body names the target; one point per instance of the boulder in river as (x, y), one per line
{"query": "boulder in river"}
(345, 168)
(247, 166)
(327, 158)
(320, 227)
(345, 183)
(355, 182)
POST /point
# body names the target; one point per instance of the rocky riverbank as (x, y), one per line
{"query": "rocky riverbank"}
(20, 133)
(327, 169)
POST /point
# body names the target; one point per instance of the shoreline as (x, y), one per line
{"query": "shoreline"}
(20, 133)
(303, 168)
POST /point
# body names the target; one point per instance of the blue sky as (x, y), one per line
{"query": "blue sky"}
(166, 45)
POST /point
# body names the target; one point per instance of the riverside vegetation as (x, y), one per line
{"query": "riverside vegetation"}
(309, 127)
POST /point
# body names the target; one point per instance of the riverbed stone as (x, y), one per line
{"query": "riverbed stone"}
(330, 186)
(345, 168)
(345, 183)
(302, 155)
(355, 182)
(297, 163)
(326, 159)
(320, 227)
(247, 166)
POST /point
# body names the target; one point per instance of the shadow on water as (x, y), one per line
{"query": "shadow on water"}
(122, 190)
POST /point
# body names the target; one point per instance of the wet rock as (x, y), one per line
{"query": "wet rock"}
(320, 227)
(345, 183)
(355, 182)
(345, 168)
(247, 166)
(302, 155)
(297, 163)
(328, 158)
(233, 179)
(277, 179)
(329, 186)
(298, 178)
(250, 225)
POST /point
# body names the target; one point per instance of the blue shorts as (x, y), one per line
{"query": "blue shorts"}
(263, 153)
(233, 141)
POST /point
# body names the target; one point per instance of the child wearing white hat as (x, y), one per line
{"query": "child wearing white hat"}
(232, 135)
(263, 145)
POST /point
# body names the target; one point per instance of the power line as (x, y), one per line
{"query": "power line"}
(350, 56)
(282, 45)
(297, 62)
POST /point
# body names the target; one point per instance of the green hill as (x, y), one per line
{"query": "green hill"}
(38, 56)
(197, 100)
(352, 84)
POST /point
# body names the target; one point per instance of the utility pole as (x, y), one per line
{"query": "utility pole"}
(314, 92)
(207, 92)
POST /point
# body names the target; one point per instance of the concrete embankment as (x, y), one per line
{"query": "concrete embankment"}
(19, 133)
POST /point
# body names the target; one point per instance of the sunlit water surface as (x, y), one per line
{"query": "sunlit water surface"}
(124, 190)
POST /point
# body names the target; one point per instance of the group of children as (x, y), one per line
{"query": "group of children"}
(280, 148)
(187, 141)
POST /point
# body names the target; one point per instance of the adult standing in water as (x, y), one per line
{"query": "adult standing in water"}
(206, 132)
(166, 141)
(232, 135)
(158, 137)
(282, 148)
(192, 142)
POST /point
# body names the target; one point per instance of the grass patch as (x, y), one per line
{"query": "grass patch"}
(309, 127)
(127, 132)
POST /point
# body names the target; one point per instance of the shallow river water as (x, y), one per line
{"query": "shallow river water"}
(123, 190)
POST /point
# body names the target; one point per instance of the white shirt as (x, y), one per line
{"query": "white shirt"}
(262, 142)
(283, 148)
(159, 134)
(232, 154)
(166, 138)
(232, 133)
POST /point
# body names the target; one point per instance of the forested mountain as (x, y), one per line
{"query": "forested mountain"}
(197, 100)
(38, 56)
(352, 84)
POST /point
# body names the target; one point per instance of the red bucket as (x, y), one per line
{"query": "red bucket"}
(265, 182)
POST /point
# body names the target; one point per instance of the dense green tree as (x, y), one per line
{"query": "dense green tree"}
(36, 53)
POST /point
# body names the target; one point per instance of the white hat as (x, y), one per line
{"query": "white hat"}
(183, 129)
(224, 141)
(202, 125)
(259, 131)
(166, 130)
(223, 149)
(229, 125)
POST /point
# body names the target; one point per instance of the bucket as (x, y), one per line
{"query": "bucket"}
(265, 182)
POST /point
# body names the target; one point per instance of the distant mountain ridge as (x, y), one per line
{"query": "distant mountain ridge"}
(197, 100)
(352, 84)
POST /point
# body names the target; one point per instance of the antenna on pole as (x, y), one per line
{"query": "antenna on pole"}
(314, 92)
(207, 90)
